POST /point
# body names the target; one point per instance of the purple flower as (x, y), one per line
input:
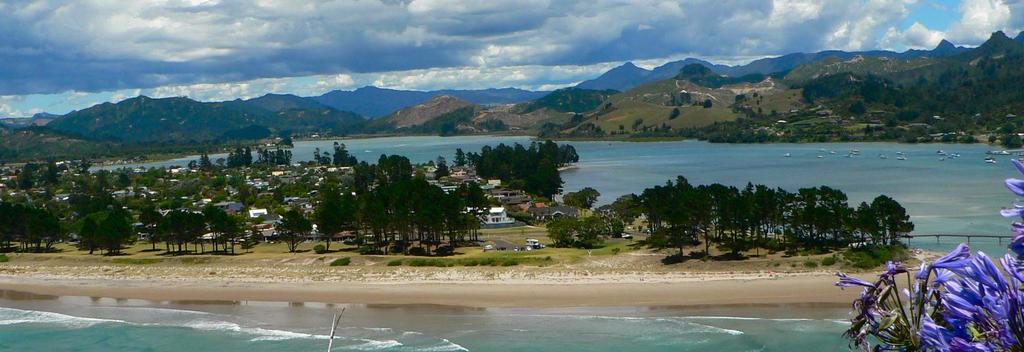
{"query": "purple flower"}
(1015, 186)
(1017, 245)
(962, 345)
(850, 281)
(1015, 211)
(894, 267)
(957, 258)
(933, 336)
(1013, 267)
(1018, 164)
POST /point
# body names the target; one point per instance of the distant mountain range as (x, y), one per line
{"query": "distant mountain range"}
(143, 119)
(374, 102)
(627, 99)
(628, 75)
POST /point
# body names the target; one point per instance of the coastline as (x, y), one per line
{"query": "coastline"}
(603, 292)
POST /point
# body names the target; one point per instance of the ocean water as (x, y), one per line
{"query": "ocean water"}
(44, 323)
(952, 196)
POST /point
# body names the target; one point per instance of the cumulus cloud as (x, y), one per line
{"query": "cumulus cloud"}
(59, 45)
(217, 50)
(978, 20)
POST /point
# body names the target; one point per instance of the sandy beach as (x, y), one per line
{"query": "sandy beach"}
(806, 289)
(472, 287)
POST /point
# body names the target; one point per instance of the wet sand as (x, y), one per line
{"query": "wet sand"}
(809, 288)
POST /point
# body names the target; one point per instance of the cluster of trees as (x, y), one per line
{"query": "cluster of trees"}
(35, 229)
(533, 169)
(584, 198)
(274, 157)
(680, 214)
(340, 157)
(105, 231)
(389, 206)
(240, 157)
(587, 232)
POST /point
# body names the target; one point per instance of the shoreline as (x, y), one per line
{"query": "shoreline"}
(804, 288)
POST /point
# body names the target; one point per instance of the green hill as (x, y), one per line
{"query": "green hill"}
(144, 119)
(36, 143)
(988, 80)
(570, 100)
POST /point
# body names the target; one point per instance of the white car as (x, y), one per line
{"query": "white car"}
(627, 236)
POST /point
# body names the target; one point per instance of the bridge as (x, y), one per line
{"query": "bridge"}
(940, 236)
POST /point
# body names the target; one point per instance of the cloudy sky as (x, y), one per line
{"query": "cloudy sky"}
(56, 56)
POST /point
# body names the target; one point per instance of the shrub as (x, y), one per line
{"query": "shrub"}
(366, 250)
(672, 259)
(868, 257)
(509, 262)
(319, 249)
(616, 250)
(828, 261)
(343, 261)
(811, 263)
(396, 262)
(4, 258)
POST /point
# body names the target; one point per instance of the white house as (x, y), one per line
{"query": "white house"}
(497, 216)
(255, 213)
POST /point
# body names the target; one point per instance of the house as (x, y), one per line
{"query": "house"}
(515, 200)
(230, 207)
(548, 213)
(255, 213)
(496, 216)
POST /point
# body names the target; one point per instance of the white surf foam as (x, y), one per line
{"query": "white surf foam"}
(261, 333)
(375, 345)
(446, 346)
(11, 316)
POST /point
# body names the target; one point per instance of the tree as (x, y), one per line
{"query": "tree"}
(673, 115)
(219, 222)
(442, 167)
(115, 231)
(43, 230)
(294, 228)
(894, 221)
(88, 235)
(562, 231)
(460, 157)
(584, 198)
(150, 218)
(330, 216)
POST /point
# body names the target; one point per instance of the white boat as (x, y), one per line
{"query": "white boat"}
(901, 157)
(831, 151)
(820, 156)
(990, 160)
(940, 152)
(787, 155)
(882, 156)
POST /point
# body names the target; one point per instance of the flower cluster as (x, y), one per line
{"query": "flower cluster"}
(959, 302)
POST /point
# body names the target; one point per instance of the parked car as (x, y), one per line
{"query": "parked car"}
(534, 244)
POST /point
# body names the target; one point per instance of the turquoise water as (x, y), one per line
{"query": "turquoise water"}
(87, 325)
